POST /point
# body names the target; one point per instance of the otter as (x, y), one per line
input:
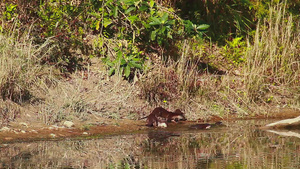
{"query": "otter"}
(160, 116)
(205, 125)
(156, 121)
(169, 116)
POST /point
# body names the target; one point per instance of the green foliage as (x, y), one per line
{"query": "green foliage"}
(262, 11)
(227, 19)
(143, 24)
(162, 28)
(125, 61)
(60, 21)
(9, 12)
(193, 29)
(234, 51)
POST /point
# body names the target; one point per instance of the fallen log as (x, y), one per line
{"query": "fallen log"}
(287, 123)
(286, 133)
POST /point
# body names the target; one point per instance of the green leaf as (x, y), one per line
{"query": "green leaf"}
(169, 35)
(136, 65)
(162, 30)
(111, 71)
(136, 59)
(123, 62)
(151, 4)
(119, 54)
(121, 70)
(110, 64)
(116, 11)
(127, 71)
(129, 10)
(203, 27)
(153, 35)
(128, 2)
(143, 8)
(164, 18)
(133, 18)
(155, 21)
(106, 22)
(171, 22)
(97, 24)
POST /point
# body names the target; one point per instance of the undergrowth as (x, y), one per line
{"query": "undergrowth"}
(111, 59)
(22, 77)
(261, 71)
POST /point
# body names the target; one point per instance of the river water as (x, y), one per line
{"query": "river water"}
(239, 144)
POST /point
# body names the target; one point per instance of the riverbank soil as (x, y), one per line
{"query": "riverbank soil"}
(89, 103)
(104, 127)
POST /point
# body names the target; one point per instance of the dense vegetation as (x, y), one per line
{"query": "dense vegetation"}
(211, 56)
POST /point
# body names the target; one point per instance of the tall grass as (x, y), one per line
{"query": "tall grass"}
(20, 69)
(273, 59)
(22, 78)
(267, 76)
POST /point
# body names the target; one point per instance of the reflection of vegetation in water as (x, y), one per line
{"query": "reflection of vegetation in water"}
(238, 146)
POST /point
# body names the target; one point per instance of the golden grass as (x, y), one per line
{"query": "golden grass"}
(273, 60)
(267, 78)
(20, 69)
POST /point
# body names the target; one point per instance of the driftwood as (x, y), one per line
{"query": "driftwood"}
(287, 123)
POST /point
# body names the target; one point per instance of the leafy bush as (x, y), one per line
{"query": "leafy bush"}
(143, 24)
(124, 62)
(234, 51)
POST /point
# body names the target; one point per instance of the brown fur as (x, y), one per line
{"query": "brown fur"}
(155, 121)
(161, 115)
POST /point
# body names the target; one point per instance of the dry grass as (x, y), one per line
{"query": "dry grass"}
(273, 59)
(268, 79)
(45, 97)
(20, 70)
(22, 76)
(90, 96)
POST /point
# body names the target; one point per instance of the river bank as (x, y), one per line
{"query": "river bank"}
(23, 132)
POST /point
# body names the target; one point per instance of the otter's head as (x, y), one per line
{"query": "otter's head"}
(178, 116)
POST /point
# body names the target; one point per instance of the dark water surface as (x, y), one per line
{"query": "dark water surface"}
(239, 145)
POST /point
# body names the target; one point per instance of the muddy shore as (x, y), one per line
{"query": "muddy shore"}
(22, 133)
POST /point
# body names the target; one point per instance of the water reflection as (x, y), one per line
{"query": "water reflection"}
(241, 145)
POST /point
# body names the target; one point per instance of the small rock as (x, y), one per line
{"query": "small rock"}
(52, 135)
(3, 145)
(236, 72)
(68, 124)
(85, 133)
(24, 124)
(8, 138)
(4, 129)
(53, 127)
(33, 131)
(22, 131)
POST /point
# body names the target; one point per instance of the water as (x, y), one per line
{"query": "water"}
(240, 145)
